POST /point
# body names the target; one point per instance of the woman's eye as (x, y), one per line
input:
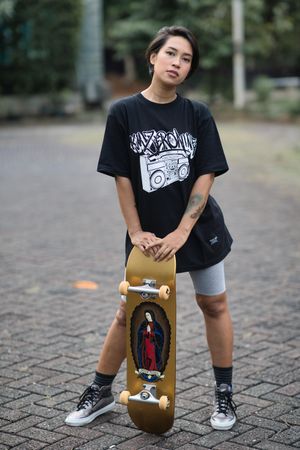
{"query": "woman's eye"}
(169, 52)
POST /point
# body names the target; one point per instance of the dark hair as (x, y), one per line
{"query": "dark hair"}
(161, 38)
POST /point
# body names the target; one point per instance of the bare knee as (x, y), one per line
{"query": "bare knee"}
(212, 306)
(121, 314)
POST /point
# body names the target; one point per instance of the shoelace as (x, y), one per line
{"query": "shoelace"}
(224, 399)
(87, 397)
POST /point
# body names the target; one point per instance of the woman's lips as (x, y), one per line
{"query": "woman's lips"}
(173, 73)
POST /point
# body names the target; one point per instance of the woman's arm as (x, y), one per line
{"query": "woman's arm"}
(171, 243)
(129, 211)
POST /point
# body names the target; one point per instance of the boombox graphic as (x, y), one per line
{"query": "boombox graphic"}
(163, 169)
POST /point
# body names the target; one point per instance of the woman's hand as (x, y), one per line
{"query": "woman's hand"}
(146, 242)
(169, 245)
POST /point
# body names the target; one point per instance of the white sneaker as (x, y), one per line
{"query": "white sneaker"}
(224, 416)
(94, 401)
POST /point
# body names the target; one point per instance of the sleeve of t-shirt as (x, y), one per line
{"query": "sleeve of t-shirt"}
(209, 157)
(114, 157)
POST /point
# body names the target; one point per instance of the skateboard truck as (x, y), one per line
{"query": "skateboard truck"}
(146, 395)
(147, 290)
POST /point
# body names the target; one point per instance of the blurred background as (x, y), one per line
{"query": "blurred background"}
(65, 57)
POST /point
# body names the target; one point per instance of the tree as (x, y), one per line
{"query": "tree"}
(39, 41)
(271, 28)
(272, 31)
(130, 27)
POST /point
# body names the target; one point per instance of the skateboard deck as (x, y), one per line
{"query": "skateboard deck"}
(150, 288)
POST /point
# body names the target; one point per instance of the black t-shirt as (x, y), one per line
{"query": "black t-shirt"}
(163, 149)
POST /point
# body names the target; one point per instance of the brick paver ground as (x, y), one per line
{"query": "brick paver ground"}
(60, 223)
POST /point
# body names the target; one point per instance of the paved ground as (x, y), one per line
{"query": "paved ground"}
(60, 223)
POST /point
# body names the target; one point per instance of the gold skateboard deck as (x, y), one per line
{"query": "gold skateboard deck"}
(150, 288)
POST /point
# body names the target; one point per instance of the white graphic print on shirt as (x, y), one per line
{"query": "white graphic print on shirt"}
(164, 156)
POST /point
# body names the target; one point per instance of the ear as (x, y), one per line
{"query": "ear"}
(153, 57)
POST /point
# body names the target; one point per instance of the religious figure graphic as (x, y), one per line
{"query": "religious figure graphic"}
(150, 343)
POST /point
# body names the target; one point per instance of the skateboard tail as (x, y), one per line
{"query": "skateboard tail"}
(149, 419)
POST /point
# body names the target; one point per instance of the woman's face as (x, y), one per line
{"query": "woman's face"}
(148, 316)
(173, 61)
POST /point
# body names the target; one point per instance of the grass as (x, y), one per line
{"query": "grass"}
(271, 151)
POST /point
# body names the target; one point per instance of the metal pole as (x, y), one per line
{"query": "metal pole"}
(90, 64)
(238, 54)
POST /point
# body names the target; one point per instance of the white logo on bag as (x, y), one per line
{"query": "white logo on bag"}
(164, 156)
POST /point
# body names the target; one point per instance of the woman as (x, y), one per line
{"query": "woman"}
(150, 340)
(164, 152)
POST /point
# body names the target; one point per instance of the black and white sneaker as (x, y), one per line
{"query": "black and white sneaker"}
(94, 401)
(224, 416)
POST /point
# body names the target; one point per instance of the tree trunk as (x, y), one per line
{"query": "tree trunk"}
(130, 69)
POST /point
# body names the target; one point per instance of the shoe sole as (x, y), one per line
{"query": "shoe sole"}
(89, 419)
(220, 428)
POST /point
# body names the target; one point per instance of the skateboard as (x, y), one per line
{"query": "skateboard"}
(150, 288)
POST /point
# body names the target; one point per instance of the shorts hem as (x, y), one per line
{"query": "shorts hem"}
(211, 295)
(204, 266)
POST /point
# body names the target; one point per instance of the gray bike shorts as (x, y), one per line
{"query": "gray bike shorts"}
(210, 281)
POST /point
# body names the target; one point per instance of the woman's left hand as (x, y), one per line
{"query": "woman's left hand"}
(169, 245)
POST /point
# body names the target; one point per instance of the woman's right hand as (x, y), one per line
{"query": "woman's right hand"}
(142, 239)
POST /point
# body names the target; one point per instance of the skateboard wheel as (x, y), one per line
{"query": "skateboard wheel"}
(123, 287)
(124, 396)
(164, 292)
(164, 402)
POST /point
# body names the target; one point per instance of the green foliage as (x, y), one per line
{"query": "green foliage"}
(39, 41)
(294, 108)
(130, 26)
(263, 88)
(275, 108)
(272, 34)
(271, 31)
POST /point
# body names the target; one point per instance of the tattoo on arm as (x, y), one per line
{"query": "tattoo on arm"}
(198, 212)
(196, 201)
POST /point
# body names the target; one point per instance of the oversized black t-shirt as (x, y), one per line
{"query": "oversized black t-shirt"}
(163, 149)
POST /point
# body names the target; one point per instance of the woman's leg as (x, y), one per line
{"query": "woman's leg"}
(97, 398)
(113, 351)
(220, 342)
(212, 299)
(219, 330)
